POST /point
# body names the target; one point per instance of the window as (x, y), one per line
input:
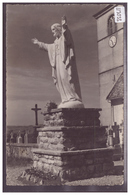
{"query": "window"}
(111, 25)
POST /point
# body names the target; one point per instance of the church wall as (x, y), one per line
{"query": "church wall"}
(110, 57)
(107, 81)
(110, 63)
(118, 114)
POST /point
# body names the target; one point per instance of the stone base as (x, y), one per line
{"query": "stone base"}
(72, 117)
(72, 138)
(74, 165)
(72, 146)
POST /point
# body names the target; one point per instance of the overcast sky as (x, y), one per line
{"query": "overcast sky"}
(29, 80)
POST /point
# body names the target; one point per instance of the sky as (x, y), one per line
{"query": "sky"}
(28, 71)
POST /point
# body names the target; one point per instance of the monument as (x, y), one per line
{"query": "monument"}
(62, 59)
(72, 144)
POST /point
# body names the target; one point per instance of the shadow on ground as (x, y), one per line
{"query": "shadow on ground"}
(15, 162)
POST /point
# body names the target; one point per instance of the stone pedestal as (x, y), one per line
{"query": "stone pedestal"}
(74, 165)
(72, 117)
(72, 138)
(72, 145)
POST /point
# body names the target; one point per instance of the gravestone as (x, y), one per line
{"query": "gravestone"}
(115, 128)
(19, 138)
(26, 138)
(11, 137)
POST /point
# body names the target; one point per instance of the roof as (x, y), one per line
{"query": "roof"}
(107, 8)
(118, 89)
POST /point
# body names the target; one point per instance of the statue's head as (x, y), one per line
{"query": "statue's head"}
(56, 30)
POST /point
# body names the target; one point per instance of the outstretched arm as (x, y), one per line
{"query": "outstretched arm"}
(40, 44)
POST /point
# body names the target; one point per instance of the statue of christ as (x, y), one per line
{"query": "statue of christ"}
(62, 59)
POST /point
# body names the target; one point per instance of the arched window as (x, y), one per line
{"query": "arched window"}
(111, 25)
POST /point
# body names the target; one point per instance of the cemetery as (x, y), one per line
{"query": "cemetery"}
(67, 148)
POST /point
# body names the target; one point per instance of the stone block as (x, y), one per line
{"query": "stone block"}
(44, 134)
(56, 170)
(108, 158)
(54, 141)
(83, 171)
(40, 134)
(35, 158)
(46, 156)
(45, 145)
(49, 161)
(45, 167)
(35, 164)
(108, 167)
(39, 165)
(50, 134)
(90, 169)
(61, 147)
(99, 160)
(59, 134)
(74, 158)
(51, 157)
(59, 163)
(58, 158)
(44, 160)
(98, 168)
(89, 161)
(44, 139)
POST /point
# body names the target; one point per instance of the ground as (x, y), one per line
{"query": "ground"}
(15, 168)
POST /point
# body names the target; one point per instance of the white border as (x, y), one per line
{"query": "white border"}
(1, 73)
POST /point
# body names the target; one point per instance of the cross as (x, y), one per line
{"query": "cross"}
(36, 111)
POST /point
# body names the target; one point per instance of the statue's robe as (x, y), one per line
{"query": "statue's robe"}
(64, 71)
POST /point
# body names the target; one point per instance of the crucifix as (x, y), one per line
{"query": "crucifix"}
(36, 112)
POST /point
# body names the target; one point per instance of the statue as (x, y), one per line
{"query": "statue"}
(62, 59)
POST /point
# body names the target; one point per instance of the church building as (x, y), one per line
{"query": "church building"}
(111, 57)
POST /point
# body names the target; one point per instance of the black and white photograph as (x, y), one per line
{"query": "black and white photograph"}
(65, 97)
